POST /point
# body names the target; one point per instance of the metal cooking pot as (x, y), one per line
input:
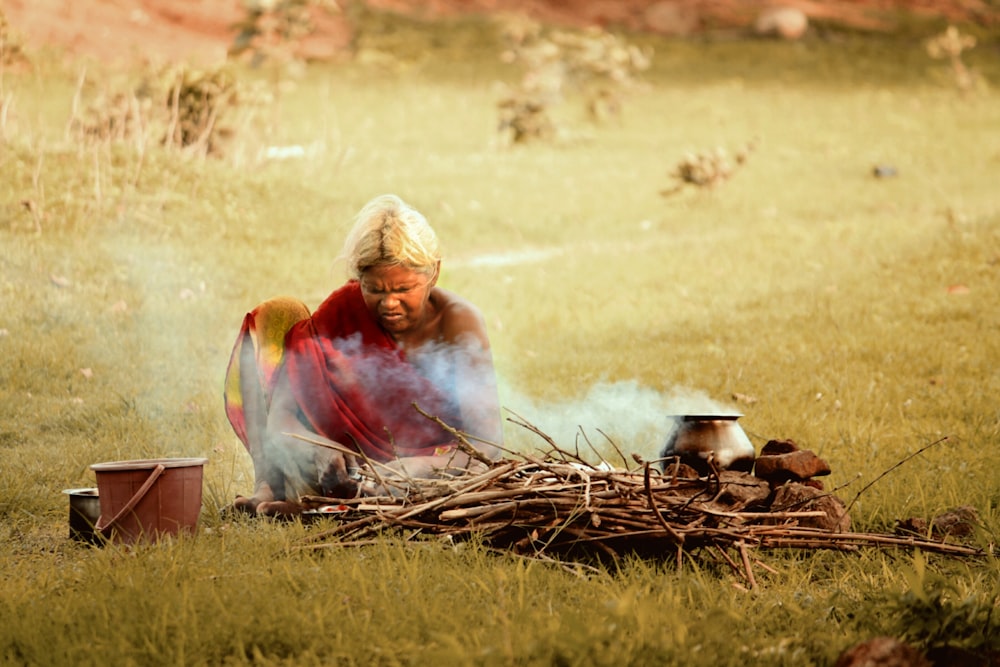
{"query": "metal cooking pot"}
(695, 439)
(84, 511)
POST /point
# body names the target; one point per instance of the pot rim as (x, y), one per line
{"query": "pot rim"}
(91, 491)
(706, 417)
(148, 464)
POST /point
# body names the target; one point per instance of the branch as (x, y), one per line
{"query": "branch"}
(871, 483)
(461, 440)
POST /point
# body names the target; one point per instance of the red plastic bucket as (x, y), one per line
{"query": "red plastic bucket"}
(148, 498)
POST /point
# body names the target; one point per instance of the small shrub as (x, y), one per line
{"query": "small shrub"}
(271, 28)
(11, 51)
(949, 45)
(595, 63)
(523, 118)
(707, 169)
(179, 107)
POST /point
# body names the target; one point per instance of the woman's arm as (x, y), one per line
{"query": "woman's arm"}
(464, 330)
(307, 467)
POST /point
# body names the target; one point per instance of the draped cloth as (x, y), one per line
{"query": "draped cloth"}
(350, 380)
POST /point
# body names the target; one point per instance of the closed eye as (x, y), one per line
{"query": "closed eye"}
(376, 291)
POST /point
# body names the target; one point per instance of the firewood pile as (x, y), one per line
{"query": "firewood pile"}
(557, 506)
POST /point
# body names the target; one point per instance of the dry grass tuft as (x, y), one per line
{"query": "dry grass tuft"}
(195, 110)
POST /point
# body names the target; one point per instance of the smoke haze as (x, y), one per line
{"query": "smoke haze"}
(636, 418)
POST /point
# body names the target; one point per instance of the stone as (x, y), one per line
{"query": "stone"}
(739, 491)
(676, 19)
(679, 470)
(794, 497)
(957, 522)
(882, 652)
(795, 466)
(785, 22)
(779, 447)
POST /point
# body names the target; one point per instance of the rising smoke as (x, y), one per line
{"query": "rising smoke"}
(637, 419)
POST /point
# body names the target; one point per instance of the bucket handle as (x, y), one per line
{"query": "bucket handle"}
(105, 529)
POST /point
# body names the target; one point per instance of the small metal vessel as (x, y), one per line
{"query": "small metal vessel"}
(84, 511)
(698, 439)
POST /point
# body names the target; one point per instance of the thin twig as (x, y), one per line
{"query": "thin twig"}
(729, 561)
(345, 450)
(460, 440)
(677, 537)
(905, 459)
(741, 545)
(614, 446)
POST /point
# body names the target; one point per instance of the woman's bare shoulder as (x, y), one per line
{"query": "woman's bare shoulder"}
(459, 316)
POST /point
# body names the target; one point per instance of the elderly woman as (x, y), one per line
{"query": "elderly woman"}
(348, 379)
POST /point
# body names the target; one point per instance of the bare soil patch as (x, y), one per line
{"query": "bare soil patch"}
(123, 31)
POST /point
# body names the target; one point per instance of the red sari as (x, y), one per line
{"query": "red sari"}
(351, 382)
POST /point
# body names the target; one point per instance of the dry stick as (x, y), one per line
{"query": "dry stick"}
(410, 484)
(581, 535)
(341, 544)
(846, 484)
(480, 521)
(524, 423)
(486, 496)
(431, 528)
(344, 450)
(586, 490)
(677, 537)
(345, 528)
(565, 458)
(472, 509)
(543, 558)
(645, 531)
(628, 521)
(461, 441)
(481, 481)
(594, 449)
(730, 561)
(762, 564)
(473, 512)
(398, 513)
(576, 441)
(708, 534)
(614, 446)
(560, 526)
(791, 535)
(746, 563)
(869, 485)
(763, 515)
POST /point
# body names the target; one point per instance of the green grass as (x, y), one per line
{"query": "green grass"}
(803, 282)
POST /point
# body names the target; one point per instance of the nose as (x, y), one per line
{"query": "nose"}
(390, 301)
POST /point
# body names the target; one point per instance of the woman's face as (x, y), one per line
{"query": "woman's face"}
(397, 296)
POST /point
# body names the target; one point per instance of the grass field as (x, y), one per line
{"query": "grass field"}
(860, 313)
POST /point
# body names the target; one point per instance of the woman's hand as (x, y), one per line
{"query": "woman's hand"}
(396, 474)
